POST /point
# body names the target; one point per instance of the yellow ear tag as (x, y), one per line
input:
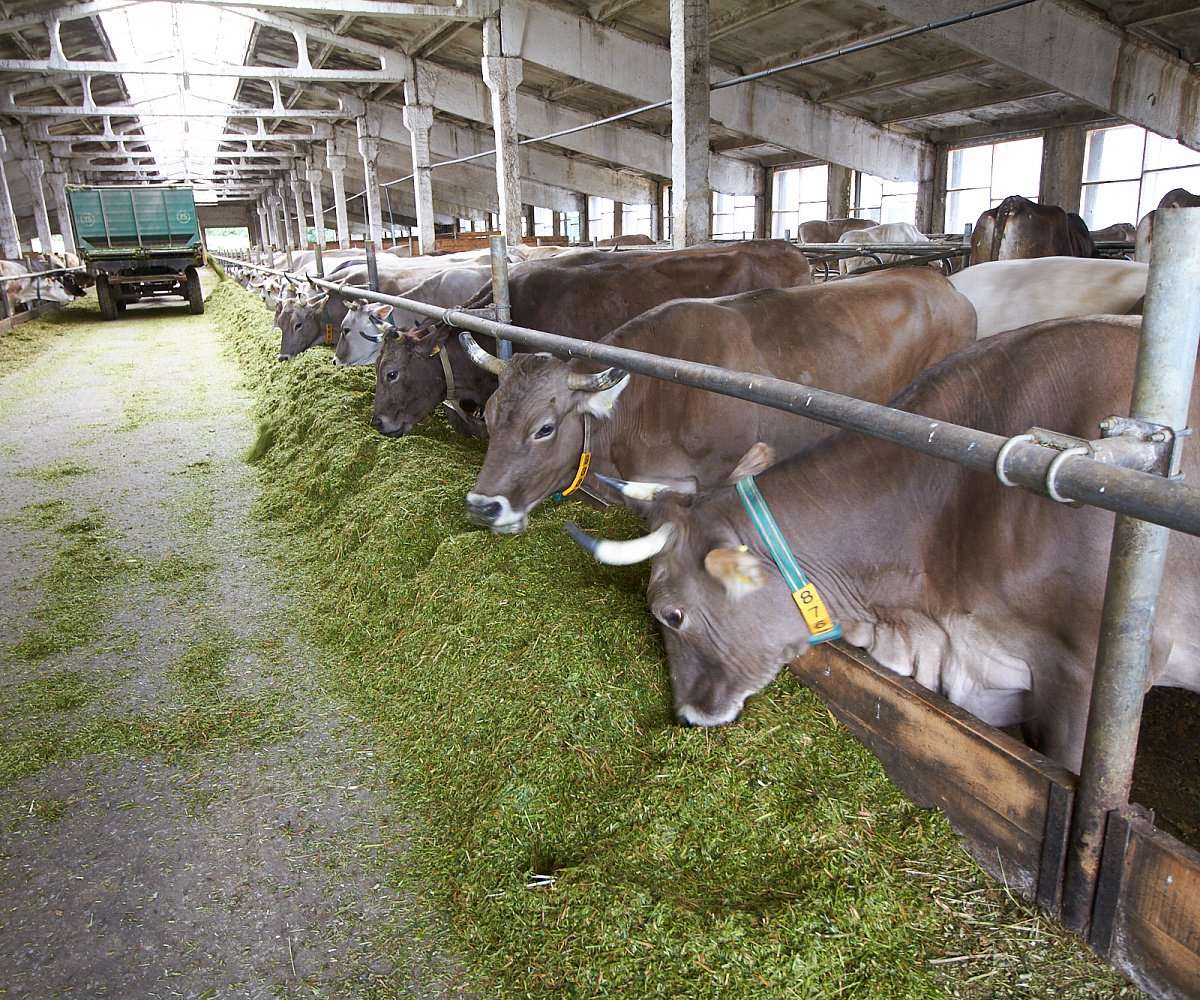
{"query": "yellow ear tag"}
(435, 352)
(328, 334)
(813, 610)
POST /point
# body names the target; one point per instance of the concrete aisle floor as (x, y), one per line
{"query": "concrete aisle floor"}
(182, 812)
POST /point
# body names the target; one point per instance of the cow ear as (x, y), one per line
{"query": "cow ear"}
(380, 309)
(759, 458)
(600, 404)
(739, 570)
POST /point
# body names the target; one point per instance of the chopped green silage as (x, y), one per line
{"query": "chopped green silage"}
(23, 343)
(579, 843)
(74, 603)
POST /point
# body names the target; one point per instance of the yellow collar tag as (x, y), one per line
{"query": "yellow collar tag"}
(328, 334)
(813, 610)
(585, 462)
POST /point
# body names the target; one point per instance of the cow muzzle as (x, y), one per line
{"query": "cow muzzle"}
(496, 513)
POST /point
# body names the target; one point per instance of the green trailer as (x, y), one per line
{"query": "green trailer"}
(138, 243)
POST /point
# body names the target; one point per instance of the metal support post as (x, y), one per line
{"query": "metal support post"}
(692, 221)
(33, 169)
(1162, 388)
(10, 236)
(503, 74)
(372, 265)
(336, 161)
(500, 299)
(418, 119)
(368, 148)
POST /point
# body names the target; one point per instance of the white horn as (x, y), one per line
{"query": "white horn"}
(635, 490)
(481, 357)
(612, 553)
(597, 382)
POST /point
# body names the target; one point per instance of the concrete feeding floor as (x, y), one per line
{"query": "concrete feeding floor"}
(182, 811)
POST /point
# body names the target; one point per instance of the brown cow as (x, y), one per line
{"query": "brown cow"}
(1020, 228)
(631, 240)
(830, 230)
(867, 336)
(584, 295)
(991, 596)
(1175, 198)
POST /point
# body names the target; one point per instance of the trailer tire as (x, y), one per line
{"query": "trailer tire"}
(106, 298)
(195, 294)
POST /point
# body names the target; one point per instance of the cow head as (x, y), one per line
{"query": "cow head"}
(410, 383)
(364, 328)
(301, 324)
(727, 619)
(44, 290)
(535, 432)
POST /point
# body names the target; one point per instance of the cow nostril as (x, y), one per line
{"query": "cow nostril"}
(488, 510)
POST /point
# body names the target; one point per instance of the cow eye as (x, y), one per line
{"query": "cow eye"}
(393, 374)
(543, 432)
(673, 618)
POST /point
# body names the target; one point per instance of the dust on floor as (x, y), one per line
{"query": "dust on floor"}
(182, 812)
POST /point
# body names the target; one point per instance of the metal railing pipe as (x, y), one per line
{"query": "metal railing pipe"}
(1167, 502)
(1162, 390)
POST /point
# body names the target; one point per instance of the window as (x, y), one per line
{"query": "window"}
(570, 224)
(732, 216)
(600, 218)
(798, 195)
(884, 200)
(980, 177)
(636, 219)
(543, 222)
(1127, 170)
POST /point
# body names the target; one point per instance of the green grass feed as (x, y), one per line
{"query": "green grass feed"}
(579, 843)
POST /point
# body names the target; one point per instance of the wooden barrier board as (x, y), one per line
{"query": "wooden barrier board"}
(1011, 806)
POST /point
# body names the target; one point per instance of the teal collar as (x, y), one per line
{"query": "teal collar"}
(821, 626)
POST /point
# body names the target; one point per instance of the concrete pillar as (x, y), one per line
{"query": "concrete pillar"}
(1062, 167)
(556, 223)
(585, 235)
(658, 220)
(692, 204)
(286, 233)
(312, 173)
(275, 220)
(10, 236)
(298, 198)
(503, 75)
(418, 119)
(618, 218)
(264, 229)
(368, 149)
(931, 211)
(530, 219)
(837, 191)
(33, 168)
(335, 159)
(57, 179)
(762, 205)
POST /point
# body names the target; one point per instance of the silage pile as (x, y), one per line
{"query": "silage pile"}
(578, 842)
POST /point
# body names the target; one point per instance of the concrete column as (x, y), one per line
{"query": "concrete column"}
(556, 223)
(10, 236)
(585, 235)
(275, 225)
(336, 161)
(837, 191)
(692, 204)
(618, 218)
(1062, 167)
(298, 198)
(931, 214)
(286, 232)
(503, 75)
(762, 205)
(264, 231)
(368, 149)
(33, 169)
(418, 119)
(658, 226)
(312, 173)
(57, 179)
(530, 219)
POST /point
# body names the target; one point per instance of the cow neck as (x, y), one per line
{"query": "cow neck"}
(853, 514)
(451, 401)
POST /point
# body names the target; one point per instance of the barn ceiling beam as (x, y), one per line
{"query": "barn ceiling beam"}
(469, 10)
(960, 103)
(576, 46)
(464, 95)
(348, 108)
(305, 72)
(873, 83)
(1081, 54)
(747, 14)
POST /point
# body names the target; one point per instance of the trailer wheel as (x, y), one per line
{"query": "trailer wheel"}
(195, 294)
(108, 301)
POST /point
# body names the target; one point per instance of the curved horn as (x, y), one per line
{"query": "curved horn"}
(611, 553)
(481, 357)
(598, 382)
(634, 490)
